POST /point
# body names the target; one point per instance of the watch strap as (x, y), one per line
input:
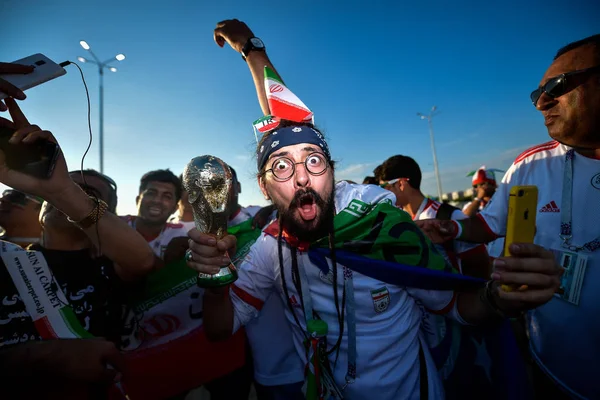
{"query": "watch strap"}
(94, 216)
(249, 46)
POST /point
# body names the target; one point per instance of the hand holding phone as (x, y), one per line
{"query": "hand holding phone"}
(30, 159)
(521, 220)
(7, 88)
(26, 73)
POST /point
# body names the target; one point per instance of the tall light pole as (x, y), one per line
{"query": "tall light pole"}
(429, 117)
(101, 66)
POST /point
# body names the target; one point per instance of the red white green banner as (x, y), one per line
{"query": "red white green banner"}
(44, 302)
(266, 123)
(283, 103)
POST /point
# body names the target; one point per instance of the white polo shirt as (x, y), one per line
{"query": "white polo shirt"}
(564, 337)
(388, 337)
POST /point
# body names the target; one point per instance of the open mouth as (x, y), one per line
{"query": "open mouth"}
(307, 207)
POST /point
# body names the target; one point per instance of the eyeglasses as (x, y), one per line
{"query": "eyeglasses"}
(16, 197)
(386, 184)
(91, 172)
(283, 168)
(557, 86)
(391, 182)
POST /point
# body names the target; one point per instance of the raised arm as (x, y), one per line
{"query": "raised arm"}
(129, 251)
(237, 34)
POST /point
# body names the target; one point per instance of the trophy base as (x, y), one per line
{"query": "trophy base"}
(224, 277)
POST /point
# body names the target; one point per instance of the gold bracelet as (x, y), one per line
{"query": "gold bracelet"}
(94, 216)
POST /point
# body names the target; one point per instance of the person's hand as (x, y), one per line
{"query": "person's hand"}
(482, 192)
(437, 230)
(234, 32)
(83, 360)
(176, 249)
(25, 133)
(7, 87)
(208, 254)
(532, 271)
(263, 215)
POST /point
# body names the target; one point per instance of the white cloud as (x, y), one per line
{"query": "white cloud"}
(455, 178)
(242, 157)
(355, 172)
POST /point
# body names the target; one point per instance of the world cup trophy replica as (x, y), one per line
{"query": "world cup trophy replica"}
(208, 182)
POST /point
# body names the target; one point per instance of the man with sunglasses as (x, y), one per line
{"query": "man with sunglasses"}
(88, 279)
(401, 175)
(19, 217)
(563, 334)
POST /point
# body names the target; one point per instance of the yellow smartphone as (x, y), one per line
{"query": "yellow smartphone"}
(520, 223)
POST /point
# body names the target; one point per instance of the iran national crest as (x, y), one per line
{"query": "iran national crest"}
(381, 299)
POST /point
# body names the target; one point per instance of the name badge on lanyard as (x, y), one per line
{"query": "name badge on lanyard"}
(571, 257)
(572, 279)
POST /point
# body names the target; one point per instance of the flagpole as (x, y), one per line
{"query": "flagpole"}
(435, 162)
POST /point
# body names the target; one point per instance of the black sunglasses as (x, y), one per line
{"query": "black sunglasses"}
(16, 197)
(557, 86)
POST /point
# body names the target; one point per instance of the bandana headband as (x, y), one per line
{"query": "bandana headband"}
(290, 136)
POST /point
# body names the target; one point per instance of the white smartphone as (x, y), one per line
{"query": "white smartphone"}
(44, 70)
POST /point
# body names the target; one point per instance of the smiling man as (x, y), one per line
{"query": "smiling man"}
(160, 192)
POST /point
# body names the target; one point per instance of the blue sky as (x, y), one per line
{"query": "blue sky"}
(364, 68)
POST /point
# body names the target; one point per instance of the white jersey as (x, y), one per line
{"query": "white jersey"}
(388, 333)
(495, 247)
(242, 215)
(159, 244)
(270, 336)
(564, 337)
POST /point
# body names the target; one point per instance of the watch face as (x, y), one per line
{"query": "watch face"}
(256, 42)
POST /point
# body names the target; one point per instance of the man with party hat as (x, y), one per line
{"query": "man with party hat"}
(484, 187)
(354, 272)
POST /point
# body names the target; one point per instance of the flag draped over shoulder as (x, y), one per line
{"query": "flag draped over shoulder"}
(382, 242)
(173, 354)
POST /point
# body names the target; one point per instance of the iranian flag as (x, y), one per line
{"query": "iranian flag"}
(266, 123)
(282, 102)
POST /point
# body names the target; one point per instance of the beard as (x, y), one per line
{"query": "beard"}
(316, 228)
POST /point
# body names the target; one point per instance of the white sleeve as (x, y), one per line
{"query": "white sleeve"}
(495, 213)
(436, 301)
(254, 284)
